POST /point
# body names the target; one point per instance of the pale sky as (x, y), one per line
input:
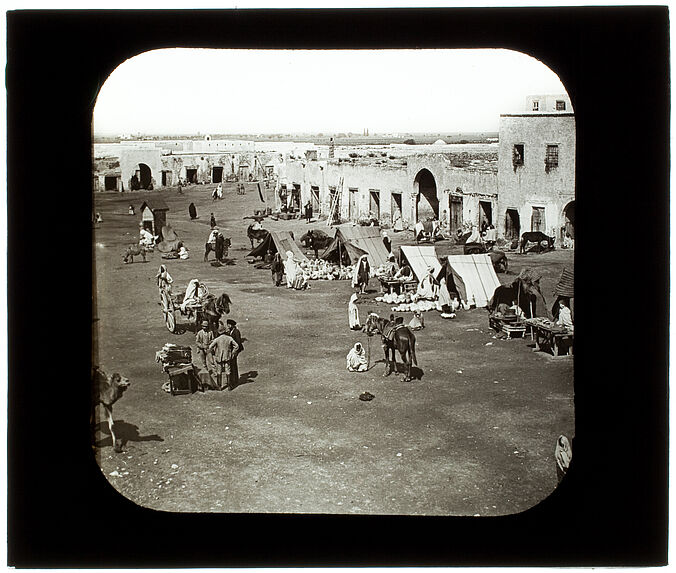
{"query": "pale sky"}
(186, 91)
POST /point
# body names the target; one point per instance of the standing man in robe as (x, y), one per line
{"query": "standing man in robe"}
(224, 348)
(234, 333)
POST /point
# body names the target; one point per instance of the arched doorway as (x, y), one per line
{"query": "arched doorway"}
(427, 202)
(569, 216)
(145, 175)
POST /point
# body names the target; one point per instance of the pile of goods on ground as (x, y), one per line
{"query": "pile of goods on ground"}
(319, 269)
(407, 302)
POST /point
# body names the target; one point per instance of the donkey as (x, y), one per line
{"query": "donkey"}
(135, 251)
(394, 337)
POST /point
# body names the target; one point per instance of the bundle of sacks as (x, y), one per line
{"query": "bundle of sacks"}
(319, 269)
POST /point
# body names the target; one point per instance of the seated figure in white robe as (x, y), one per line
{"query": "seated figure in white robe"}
(427, 288)
(193, 294)
(146, 238)
(356, 359)
(290, 269)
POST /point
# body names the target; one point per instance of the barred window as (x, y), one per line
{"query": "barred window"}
(536, 105)
(551, 157)
(560, 105)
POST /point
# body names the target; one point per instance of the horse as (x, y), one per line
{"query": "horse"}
(537, 237)
(401, 339)
(135, 251)
(258, 234)
(208, 247)
(213, 308)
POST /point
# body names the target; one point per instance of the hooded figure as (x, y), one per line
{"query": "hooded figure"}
(563, 454)
(192, 210)
(360, 276)
(164, 279)
(291, 269)
(387, 242)
(192, 294)
(353, 312)
(356, 359)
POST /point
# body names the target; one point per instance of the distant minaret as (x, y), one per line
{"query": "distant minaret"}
(332, 148)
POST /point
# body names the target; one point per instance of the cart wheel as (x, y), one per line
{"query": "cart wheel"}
(171, 321)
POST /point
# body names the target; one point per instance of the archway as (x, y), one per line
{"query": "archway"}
(427, 202)
(569, 216)
(145, 175)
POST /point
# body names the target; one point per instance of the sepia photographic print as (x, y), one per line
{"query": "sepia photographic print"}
(334, 301)
(338, 287)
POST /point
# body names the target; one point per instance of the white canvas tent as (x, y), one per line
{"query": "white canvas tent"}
(474, 277)
(420, 258)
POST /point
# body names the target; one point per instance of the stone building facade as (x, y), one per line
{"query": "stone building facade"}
(421, 187)
(536, 172)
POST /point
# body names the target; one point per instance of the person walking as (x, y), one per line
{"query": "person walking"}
(234, 333)
(308, 212)
(223, 348)
(360, 275)
(193, 211)
(213, 221)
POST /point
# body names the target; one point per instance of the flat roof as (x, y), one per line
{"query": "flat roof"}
(536, 114)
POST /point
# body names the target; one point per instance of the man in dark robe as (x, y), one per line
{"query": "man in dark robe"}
(308, 212)
(213, 221)
(312, 243)
(233, 332)
(277, 269)
(220, 243)
(192, 210)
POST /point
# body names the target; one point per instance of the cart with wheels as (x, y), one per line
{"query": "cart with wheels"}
(172, 308)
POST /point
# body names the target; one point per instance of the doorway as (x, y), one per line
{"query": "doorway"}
(512, 224)
(427, 202)
(455, 217)
(166, 178)
(110, 184)
(144, 176)
(314, 198)
(374, 203)
(485, 215)
(191, 176)
(216, 174)
(537, 220)
(353, 214)
(295, 196)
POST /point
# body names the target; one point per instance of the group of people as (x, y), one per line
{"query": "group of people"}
(217, 193)
(219, 354)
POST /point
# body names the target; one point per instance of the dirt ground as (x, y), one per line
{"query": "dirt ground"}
(474, 436)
